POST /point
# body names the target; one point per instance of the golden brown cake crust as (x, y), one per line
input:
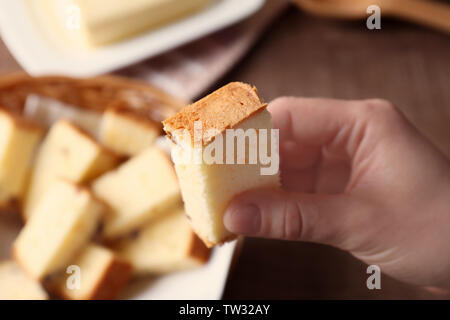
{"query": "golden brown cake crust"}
(198, 250)
(221, 110)
(210, 244)
(114, 279)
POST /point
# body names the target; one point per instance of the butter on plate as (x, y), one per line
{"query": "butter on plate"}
(104, 21)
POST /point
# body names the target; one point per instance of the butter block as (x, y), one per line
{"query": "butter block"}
(15, 285)
(127, 133)
(68, 153)
(64, 220)
(208, 187)
(166, 244)
(103, 276)
(18, 141)
(140, 189)
(105, 21)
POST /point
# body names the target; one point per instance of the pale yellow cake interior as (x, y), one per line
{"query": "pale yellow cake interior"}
(17, 145)
(140, 189)
(16, 285)
(126, 134)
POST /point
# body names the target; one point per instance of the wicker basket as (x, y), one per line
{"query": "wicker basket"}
(96, 93)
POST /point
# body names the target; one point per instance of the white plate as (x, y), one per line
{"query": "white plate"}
(205, 283)
(39, 53)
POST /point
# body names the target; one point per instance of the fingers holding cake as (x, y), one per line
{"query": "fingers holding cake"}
(284, 215)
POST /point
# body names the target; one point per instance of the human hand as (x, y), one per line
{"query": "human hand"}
(356, 175)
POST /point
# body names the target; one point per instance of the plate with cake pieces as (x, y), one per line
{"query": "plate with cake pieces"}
(90, 37)
(91, 204)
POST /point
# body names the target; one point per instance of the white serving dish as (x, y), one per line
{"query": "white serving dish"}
(40, 52)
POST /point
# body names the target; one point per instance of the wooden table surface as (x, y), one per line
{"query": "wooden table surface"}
(305, 56)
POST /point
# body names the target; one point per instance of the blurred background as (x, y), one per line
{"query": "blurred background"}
(298, 49)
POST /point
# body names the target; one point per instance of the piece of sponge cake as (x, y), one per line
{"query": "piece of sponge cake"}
(140, 189)
(166, 244)
(15, 285)
(18, 140)
(69, 153)
(64, 220)
(207, 187)
(103, 276)
(127, 133)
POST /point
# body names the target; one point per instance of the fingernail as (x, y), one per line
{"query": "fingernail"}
(243, 220)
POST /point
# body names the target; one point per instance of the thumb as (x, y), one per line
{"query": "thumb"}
(277, 214)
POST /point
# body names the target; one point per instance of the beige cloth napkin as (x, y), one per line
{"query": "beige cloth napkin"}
(188, 71)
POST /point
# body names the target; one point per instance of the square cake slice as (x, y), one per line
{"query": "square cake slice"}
(166, 244)
(137, 191)
(103, 276)
(18, 141)
(68, 153)
(234, 164)
(127, 133)
(64, 221)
